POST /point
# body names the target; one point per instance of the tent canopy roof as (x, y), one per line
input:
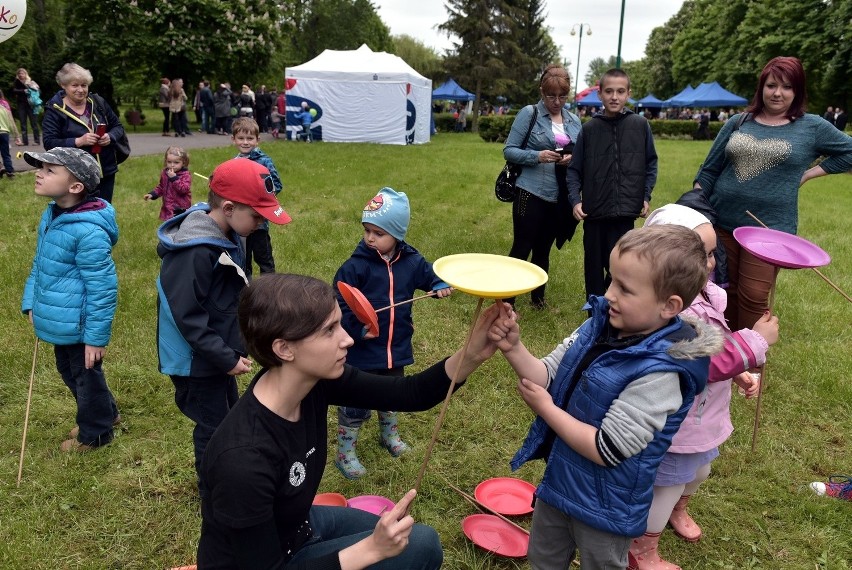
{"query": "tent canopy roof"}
(452, 91)
(650, 101)
(707, 95)
(362, 64)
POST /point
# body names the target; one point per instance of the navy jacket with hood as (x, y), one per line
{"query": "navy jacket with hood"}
(384, 283)
(199, 285)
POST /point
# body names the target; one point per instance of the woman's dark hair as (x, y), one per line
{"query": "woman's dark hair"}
(787, 69)
(555, 80)
(282, 306)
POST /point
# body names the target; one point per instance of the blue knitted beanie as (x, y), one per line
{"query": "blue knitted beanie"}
(388, 210)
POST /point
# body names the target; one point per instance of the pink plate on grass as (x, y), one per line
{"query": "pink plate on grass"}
(780, 248)
(330, 500)
(495, 535)
(506, 495)
(371, 503)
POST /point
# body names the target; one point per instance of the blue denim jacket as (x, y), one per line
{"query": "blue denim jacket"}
(537, 178)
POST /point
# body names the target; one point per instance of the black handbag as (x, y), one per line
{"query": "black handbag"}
(504, 187)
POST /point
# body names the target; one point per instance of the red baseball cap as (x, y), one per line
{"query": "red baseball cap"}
(247, 182)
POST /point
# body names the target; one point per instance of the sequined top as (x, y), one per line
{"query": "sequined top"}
(758, 168)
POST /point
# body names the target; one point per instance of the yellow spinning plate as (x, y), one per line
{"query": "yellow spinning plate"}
(489, 276)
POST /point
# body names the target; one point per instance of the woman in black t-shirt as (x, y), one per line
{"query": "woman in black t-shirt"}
(263, 466)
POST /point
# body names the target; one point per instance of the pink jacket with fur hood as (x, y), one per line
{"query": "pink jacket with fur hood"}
(708, 423)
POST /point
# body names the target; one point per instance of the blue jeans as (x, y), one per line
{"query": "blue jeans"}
(5, 154)
(208, 119)
(96, 407)
(206, 401)
(336, 528)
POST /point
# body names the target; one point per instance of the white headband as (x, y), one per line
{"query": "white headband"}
(677, 215)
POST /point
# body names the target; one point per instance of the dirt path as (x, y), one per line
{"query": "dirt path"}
(141, 144)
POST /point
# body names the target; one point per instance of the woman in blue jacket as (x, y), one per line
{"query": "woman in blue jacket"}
(539, 214)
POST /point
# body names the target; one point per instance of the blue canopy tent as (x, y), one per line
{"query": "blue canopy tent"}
(706, 95)
(682, 99)
(650, 102)
(451, 91)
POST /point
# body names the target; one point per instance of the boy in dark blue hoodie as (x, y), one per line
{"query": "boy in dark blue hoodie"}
(200, 280)
(386, 270)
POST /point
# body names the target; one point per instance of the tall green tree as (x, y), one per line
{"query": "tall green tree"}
(421, 57)
(474, 58)
(597, 67)
(528, 46)
(341, 25)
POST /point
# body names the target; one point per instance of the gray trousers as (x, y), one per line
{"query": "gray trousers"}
(555, 538)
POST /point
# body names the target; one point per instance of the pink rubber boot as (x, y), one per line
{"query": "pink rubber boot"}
(682, 523)
(643, 554)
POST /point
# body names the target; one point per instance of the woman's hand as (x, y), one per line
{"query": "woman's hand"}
(88, 139)
(389, 538)
(564, 160)
(104, 140)
(578, 212)
(548, 156)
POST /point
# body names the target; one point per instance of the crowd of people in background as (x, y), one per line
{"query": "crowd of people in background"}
(215, 108)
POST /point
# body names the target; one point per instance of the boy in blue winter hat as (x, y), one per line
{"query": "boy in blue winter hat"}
(387, 270)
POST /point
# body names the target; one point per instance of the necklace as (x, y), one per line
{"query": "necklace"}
(765, 120)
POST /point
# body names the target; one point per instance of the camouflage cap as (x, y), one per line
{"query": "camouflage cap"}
(80, 163)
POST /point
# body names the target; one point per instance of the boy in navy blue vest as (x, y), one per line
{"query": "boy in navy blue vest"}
(610, 398)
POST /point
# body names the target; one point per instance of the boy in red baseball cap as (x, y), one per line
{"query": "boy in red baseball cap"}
(201, 276)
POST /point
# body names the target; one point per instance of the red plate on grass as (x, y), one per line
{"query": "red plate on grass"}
(375, 504)
(330, 500)
(495, 535)
(506, 495)
(359, 304)
(780, 248)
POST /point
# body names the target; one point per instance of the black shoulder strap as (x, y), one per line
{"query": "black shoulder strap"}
(532, 123)
(743, 118)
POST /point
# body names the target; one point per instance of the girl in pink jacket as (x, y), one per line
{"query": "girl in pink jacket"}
(708, 424)
(175, 184)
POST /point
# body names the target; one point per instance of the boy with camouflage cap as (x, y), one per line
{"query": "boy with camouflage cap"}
(71, 293)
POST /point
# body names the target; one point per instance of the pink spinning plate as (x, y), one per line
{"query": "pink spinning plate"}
(495, 535)
(780, 248)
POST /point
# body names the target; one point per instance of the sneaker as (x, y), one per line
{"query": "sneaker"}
(72, 445)
(838, 486)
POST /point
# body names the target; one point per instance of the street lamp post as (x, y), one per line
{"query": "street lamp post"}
(620, 31)
(574, 32)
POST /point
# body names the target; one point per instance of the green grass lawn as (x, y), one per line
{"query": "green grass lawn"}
(133, 504)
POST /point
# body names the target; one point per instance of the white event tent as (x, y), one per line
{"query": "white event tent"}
(360, 96)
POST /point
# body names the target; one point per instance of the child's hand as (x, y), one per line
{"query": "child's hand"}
(30, 316)
(94, 354)
(170, 173)
(148, 197)
(505, 330)
(243, 366)
(366, 334)
(445, 292)
(767, 327)
(749, 383)
(536, 397)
